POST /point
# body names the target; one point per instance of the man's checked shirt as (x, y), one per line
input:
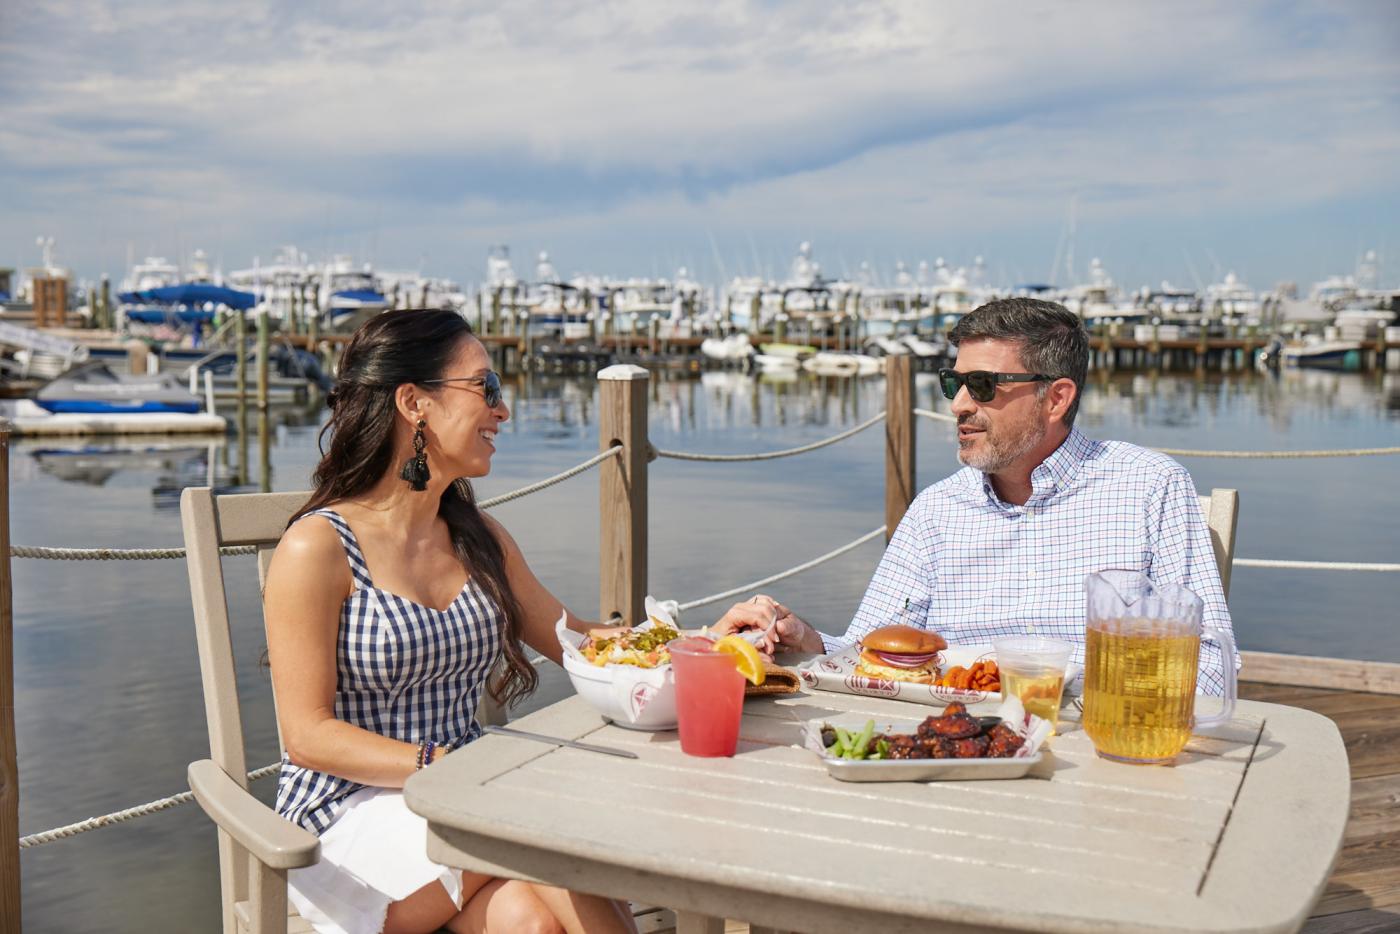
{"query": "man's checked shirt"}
(974, 567)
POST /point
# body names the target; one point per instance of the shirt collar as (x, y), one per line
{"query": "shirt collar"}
(1052, 474)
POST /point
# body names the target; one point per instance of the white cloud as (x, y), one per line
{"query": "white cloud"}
(269, 120)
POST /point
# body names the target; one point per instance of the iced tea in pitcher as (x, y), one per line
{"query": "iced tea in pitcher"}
(1142, 646)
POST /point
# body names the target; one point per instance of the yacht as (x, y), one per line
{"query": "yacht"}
(349, 296)
(1231, 298)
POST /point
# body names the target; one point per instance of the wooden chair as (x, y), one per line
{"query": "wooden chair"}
(1222, 511)
(256, 845)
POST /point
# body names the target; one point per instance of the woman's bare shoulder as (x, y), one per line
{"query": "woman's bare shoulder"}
(311, 553)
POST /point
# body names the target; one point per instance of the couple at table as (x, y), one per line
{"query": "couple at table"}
(1009, 539)
(392, 596)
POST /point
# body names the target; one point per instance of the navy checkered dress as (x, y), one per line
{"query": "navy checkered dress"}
(403, 670)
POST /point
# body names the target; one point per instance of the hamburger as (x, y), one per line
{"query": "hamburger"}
(901, 653)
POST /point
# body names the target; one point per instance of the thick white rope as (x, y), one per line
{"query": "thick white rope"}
(936, 416)
(746, 588)
(1314, 565)
(141, 810)
(144, 554)
(574, 471)
(771, 455)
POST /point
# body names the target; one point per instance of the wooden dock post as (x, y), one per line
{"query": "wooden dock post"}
(9, 762)
(137, 353)
(899, 439)
(622, 492)
(240, 355)
(264, 348)
(107, 320)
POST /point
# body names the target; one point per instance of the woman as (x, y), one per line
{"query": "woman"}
(389, 600)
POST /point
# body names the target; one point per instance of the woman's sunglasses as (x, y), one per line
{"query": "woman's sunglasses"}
(982, 384)
(490, 385)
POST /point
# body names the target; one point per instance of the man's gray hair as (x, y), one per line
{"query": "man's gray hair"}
(1052, 339)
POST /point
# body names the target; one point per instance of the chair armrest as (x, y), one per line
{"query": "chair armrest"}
(272, 839)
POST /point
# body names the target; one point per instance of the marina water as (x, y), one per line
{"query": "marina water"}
(109, 706)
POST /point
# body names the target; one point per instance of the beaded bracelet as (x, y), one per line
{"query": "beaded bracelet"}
(425, 752)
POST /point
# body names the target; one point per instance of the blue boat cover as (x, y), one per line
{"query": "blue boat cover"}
(192, 293)
(368, 296)
(163, 316)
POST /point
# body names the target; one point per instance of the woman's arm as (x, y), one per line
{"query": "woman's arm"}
(307, 582)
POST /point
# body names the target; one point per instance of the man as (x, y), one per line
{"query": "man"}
(1006, 542)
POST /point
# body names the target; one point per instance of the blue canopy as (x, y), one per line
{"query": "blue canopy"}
(192, 293)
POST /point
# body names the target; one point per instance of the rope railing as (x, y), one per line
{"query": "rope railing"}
(773, 455)
(807, 566)
(126, 814)
(1193, 452)
(147, 554)
(1314, 565)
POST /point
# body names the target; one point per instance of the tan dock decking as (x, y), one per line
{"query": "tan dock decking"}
(1363, 896)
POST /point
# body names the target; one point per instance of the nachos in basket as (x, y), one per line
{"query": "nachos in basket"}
(901, 653)
(644, 648)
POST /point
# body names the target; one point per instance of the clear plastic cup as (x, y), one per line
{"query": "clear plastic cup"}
(1033, 669)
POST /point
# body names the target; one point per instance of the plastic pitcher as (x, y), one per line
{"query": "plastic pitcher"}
(1142, 647)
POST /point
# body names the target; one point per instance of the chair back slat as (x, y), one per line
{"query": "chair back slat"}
(1222, 512)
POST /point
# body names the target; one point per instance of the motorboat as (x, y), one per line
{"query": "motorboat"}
(349, 296)
(833, 363)
(96, 389)
(731, 349)
(185, 303)
(1323, 352)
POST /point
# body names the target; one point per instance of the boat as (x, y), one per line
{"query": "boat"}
(96, 389)
(349, 297)
(185, 303)
(732, 349)
(1232, 299)
(833, 363)
(1323, 352)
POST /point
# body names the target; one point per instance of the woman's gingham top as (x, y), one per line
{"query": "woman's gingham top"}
(403, 670)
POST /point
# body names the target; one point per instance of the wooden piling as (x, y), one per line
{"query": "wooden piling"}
(622, 500)
(899, 439)
(240, 355)
(9, 763)
(264, 348)
(107, 319)
(137, 352)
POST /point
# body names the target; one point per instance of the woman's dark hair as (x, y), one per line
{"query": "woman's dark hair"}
(389, 350)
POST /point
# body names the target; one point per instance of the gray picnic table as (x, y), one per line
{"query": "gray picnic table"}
(1239, 835)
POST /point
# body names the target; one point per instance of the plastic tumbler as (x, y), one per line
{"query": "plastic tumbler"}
(1033, 669)
(709, 697)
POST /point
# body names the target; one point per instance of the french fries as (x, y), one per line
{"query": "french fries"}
(982, 676)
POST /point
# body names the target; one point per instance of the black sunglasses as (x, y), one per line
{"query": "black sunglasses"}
(490, 385)
(982, 384)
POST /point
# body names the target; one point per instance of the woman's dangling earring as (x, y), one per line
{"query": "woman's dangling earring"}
(415, 469)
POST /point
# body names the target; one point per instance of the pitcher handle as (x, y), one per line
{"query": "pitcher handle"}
(1227, 651)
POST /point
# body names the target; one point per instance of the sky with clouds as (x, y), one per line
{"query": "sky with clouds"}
(628, 137)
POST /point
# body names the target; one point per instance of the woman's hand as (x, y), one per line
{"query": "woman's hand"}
(781, 628)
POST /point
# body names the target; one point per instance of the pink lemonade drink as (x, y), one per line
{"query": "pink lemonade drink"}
(709, 697)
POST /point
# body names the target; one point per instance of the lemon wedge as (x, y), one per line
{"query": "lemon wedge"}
(746, 657)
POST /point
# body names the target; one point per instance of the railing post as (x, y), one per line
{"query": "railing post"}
(9, 768)
(899, 439)
(622, 500)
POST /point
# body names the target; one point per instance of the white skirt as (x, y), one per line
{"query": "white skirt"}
(374, 853)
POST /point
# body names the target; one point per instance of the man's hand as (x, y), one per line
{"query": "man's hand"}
(782, 629)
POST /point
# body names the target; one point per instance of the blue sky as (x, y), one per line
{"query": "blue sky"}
(630, 137)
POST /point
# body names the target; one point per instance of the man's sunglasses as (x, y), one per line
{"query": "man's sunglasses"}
(490, 385)
(982, 384)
